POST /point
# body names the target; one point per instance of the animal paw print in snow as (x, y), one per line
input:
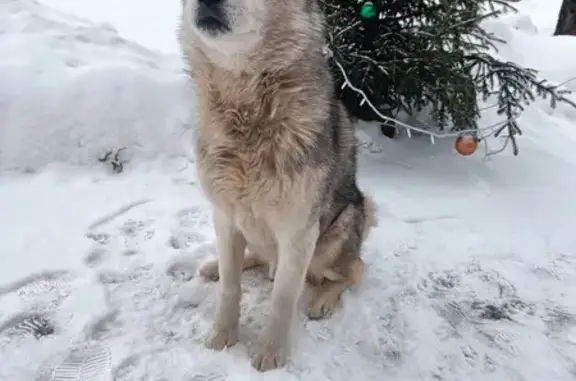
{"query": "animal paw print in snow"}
(188, 233)
(192, 218)
(439, 282)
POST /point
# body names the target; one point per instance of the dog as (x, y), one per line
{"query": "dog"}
(276, 157)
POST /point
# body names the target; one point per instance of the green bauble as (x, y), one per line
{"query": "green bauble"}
(368, 10)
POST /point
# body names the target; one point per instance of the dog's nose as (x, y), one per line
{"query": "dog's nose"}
(209, 9)
(211, 16)
(210, 2)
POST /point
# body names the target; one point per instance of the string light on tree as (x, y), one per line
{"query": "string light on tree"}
(466, 142)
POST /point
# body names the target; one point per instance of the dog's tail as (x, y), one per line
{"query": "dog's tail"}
(370, 220)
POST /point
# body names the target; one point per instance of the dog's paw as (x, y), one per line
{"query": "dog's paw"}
(220, 338)
(209, 270)
(271, 354)
(322, 304)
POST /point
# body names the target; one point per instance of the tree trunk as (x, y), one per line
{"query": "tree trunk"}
(566, 19)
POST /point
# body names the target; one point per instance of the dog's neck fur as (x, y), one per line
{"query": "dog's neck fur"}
(267, 73)
(259, 93)
(255, 61)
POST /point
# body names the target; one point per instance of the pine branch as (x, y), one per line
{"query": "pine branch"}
(433, 53)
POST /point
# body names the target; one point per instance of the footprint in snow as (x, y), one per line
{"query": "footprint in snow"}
(96, 256)
(40, 296)
(101, 328)
(183, 269)
(27, 324)
(184, 239)
(439, 282)
(125, 240)
(193, 217)
(85, 363)
(188, 233)
(208, 377)
(36, 282)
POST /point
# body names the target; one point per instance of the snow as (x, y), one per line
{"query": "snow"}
(144, 29)
(73, 90)
(471, 271)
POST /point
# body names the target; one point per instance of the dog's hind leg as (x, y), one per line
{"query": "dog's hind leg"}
(231, 246)
(324, 298)
(336, 264)
(209, 270)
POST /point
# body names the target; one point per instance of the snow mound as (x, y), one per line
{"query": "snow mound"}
(70, 91)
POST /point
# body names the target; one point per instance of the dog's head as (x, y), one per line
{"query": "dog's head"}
(244, 27)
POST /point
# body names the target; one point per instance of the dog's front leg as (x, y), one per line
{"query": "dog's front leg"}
(231, 245)
(295, 250)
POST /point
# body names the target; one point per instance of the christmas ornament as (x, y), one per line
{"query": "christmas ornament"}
(368, 10)
(466, 145)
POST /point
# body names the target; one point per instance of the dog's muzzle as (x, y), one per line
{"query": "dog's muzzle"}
(210, 16)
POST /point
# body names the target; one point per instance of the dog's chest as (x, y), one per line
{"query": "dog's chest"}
(239, 166)
(235, 176)
(243, 150)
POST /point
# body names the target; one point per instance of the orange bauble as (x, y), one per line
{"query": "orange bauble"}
(466, 145)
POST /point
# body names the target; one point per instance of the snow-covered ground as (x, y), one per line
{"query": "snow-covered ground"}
(471, 272)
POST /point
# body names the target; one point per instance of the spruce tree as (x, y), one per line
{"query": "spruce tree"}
(407, 54)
